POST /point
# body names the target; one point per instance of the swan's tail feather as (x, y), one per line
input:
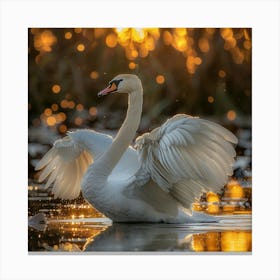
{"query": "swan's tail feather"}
(64, 166)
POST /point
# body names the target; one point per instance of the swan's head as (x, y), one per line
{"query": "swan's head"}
(123, 83)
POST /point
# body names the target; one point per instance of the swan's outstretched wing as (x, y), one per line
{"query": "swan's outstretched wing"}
(187, 155)
(67, 161)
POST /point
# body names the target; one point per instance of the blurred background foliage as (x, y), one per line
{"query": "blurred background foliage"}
(197, 71)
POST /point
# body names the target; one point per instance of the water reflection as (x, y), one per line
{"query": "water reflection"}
(75, 226)
(100, 235)
(168, 237)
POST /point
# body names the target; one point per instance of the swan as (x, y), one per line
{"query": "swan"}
(158, 180)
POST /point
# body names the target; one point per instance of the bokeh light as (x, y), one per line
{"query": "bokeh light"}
(210, 99)
(43, 41)
(80, 47)
(160, 79)
(111, 40)
(93, 111)
(231, 115)
(94, 75)
(186, 52)
(68, 35)
(56, 88)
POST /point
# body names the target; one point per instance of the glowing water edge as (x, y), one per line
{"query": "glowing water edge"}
(59, 227)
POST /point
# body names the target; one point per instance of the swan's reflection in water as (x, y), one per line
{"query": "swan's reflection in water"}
(100, 235)
(170, 237)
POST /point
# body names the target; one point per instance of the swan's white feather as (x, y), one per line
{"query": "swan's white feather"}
(173, 164)
(187, 155)
(65, 164)
(154, 196)
(65, 169)
(127, 165)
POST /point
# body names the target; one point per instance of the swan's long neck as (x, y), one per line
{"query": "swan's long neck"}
(126, 133)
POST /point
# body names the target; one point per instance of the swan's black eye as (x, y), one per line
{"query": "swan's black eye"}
(116, 82)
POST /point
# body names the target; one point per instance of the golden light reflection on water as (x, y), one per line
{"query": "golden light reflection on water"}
(228, 241)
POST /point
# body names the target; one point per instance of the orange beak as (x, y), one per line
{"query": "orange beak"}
(112, 87)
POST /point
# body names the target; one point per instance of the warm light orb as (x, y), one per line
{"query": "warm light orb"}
(78, 121)
(160, 79)
(231, 115)
(78, 30)
(64, 103)
(51, 121)
(111, 40)
(192, 63)
(43, 41)
(197, 60)
(210, 99)
(68, 35)
(131, 65)
(79, 107)
(48, 112)
(71, 104)
(247, 45)
(81, 47)
(167, 38)
(222, 73)
(94, 75)
(137, 41)
(56, 89)
(134, 53)
(213, 203)
(234, 190)
(93, 111)
(203, 44)
(61, 117)
(62, 128)
(54, 107)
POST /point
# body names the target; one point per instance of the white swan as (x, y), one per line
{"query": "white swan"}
(157, 181)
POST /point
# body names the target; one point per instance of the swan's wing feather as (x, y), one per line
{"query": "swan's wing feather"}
(187, 155)
(64, 166)
(185, 191)
(149, 192)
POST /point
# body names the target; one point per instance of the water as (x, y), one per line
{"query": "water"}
(58, 226)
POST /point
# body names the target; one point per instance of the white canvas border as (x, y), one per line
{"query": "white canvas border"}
(17, 16)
